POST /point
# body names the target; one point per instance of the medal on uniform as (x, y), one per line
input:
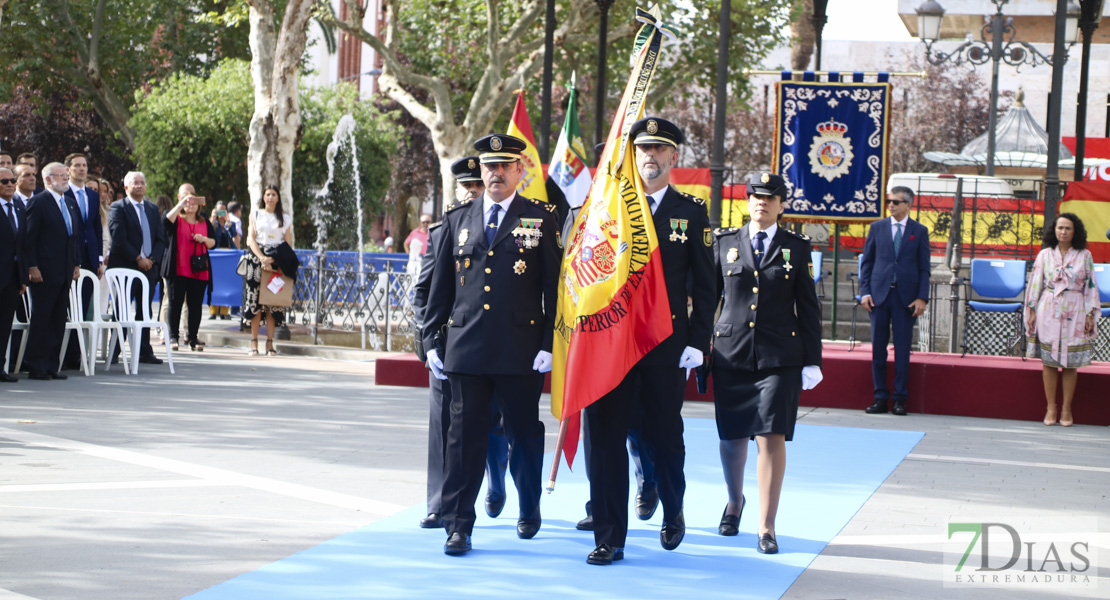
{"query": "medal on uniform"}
(462, 280)
(456, 266)
(464, 235)
(682, 223)
(519, 266)
(466, 263)
(674, 230)
(528, 233)
(786, 259)
(733, 254)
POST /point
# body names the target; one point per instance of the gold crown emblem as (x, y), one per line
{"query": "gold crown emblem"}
(765, 178)
(652, 127)
(470, 164)
(495, 144)
(832, 128)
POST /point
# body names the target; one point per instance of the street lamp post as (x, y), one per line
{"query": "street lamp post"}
(1088, 22)
(996, 44)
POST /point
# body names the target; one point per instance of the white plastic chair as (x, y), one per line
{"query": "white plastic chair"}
(76, 323)
(98, 323)
(23, 326)
(123, 281)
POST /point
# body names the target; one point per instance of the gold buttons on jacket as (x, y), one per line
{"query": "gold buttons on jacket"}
(673, 317)
(460, 252)
(491, 252)
(487, 288)
(751, 323)
(791, 334)
(729, 273)
(753, 307)
(485, 306)
(757, 273)
(488, 270)
(532, 322)
(718, 334)
(755, 290)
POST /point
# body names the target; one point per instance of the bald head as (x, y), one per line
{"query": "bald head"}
(185, 190)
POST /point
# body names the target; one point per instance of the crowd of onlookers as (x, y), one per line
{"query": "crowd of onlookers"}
(69, 220)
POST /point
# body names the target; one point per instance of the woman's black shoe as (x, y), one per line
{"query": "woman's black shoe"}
(767, 544)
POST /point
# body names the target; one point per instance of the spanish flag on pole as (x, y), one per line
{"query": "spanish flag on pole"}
(611, 281)
(532, 182)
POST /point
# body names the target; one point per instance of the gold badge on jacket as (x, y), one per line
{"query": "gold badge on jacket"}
(519, 266)
(733, 254)
(528, 233)
(676, 226)
(786, 259)
(708, 238)
(464, 235)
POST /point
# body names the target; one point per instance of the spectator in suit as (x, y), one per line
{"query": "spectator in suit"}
(31, 161)
(90, 237)
(24, 183)
(894, 288)
(14, 217)
(138, 242)
(6, 161)
(50, 253)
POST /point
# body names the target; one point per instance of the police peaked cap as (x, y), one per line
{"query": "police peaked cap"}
(768, 184)
(466, 169)
(499, 148)
(654, 130)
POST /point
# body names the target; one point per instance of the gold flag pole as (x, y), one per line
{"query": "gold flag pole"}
(558, 454)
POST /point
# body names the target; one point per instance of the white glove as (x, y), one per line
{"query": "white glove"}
(691, 357)
(811, 376)
(435, 365)
(542, 362)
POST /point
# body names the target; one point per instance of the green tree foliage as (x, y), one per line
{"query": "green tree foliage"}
(194, 129)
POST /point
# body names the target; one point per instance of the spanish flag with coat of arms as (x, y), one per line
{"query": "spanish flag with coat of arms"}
(532, 184)
(611, 276)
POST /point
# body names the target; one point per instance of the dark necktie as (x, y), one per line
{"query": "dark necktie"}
(651, 204)
(11, 218)
(759, 237)
(491, 225)
(897, 247)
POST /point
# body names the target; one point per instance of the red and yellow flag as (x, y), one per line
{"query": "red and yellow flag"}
(611, 281)
(1090, 201)
(532, 182)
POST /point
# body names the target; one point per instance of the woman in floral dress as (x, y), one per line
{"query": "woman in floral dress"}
(1061, 310)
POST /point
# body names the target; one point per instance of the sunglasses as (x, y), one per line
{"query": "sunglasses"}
(896, 202)
(7, 181)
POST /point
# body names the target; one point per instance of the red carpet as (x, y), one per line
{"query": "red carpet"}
(940, 384)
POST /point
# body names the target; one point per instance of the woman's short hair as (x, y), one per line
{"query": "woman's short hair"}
(1078, 239)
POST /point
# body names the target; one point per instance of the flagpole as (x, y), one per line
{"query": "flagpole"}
(558, 454)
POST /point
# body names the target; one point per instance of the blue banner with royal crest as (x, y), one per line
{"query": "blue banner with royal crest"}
(831, 147)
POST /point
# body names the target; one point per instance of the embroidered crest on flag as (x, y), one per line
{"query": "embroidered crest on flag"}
(830, 155)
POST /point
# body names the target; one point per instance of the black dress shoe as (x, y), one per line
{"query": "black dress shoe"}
(646, 503)
(767, 544)
(58, 376)
(7, 378)
(899, 409)
(150, 360)
(526, 529)
(879, 407)
(494, 504)
(730, 524)
(457, 544)
(672, 533)
(586, 524)
(432, 521)
(40, 376)
(605, 555)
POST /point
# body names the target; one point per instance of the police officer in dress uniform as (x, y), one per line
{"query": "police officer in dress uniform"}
(647, 494)
(657, 383)
(766, 348)
(497, 263)
(470, 187)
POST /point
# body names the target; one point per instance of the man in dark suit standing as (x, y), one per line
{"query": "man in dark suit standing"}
(138, 242)
(497, 263)
(90, 237)
(468, 176)
(31, 161)
(894, 288)
(656, 385)
(24, 183)
(14, 217)
(50, 254)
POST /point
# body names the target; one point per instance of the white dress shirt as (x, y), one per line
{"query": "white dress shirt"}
(894, 225)
(487, 206)
(753, 229)
(657, 197)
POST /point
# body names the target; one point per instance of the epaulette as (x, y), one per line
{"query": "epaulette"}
(456, 206)
(692, 198)
(436, 225)
(721, 231)
(549, 207)
(800, 236)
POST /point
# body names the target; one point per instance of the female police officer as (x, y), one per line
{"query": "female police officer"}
(766, 348)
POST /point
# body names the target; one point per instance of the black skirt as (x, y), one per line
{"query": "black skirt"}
(751, 403)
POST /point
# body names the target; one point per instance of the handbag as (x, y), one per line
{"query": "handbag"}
(198, 262)
(241, 268)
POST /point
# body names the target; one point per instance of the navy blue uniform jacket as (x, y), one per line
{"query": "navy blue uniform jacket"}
(498, 300)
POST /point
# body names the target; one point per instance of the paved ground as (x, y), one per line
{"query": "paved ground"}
(158, 486)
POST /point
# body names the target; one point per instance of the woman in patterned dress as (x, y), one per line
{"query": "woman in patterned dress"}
(268, 228)
(1061, 310)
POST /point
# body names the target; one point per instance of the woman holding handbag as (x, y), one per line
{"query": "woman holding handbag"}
(187, 264)
(268, 229)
